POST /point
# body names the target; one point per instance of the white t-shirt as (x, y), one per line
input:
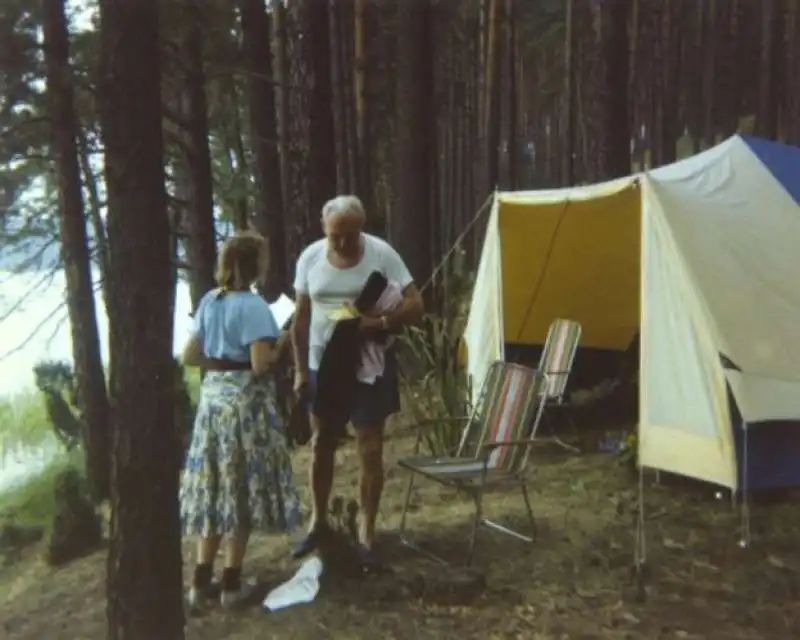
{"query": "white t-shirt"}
(329, 287)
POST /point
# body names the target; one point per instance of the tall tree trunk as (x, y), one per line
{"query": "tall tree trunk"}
(338, 62)
(347, 36)
(771, 72)
(512, 61)
(75, 251)
(491, 121)
(614, 136)
(144, 584)
(201, 245)
(279, 33)
(570, 49)
(312, 149)
(323, 136)
(296, 125)
(792, 73)
(362, 106)
(710, 38)
(410, 219)
(95, 216)
(256, 31)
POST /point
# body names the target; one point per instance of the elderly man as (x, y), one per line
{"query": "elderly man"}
(331, 273)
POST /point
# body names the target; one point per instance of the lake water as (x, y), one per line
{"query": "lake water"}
(34, 327)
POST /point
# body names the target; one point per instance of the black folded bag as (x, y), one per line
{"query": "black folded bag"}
(337, 374)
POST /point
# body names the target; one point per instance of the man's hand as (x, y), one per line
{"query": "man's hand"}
(370, 324)
(300, 384)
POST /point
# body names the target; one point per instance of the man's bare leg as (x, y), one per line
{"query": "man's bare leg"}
(370, 452)
(321, 473)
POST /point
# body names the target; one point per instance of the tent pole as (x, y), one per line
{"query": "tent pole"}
(744, 542)
(640, 550)
(486, 206)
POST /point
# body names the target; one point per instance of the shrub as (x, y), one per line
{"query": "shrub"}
(56, 381)
(75, 529)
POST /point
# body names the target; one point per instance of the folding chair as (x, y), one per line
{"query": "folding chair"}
(556, 363)
(494, 448)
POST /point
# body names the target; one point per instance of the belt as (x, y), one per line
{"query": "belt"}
(219, 364)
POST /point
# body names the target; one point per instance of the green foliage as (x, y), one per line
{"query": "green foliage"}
(435, 384)
(23, 422)
(23, 127)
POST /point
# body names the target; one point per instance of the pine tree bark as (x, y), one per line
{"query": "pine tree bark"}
(323, 136)
(410, 222)
(792, 72)
(614, 136)
(338, 62)
(568, 131)
(256, 32)
(491, 116)
(771, 71)
(90, 377)
(144, 582)
(201, 245)
(311, 157)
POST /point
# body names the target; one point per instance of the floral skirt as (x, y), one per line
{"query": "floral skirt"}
(238, 473)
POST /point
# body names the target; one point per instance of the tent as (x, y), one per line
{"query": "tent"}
(702, 259)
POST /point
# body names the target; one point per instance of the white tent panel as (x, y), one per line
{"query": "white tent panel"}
(684, 424)
(764, 398)
(483, 335)
(737, 229)
(693, 166)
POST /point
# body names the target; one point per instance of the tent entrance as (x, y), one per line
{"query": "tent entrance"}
(578, 259)
(591, 366)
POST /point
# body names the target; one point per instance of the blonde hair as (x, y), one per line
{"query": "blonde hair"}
(242, 260)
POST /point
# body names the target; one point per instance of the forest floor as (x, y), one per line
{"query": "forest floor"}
(575, 582)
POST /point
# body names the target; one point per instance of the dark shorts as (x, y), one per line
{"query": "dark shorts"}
(374, 402)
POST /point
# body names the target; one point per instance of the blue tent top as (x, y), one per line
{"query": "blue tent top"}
(782, 160)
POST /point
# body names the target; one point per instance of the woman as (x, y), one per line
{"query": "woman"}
(237, 476)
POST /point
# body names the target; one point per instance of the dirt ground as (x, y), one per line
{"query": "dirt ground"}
(575, 582)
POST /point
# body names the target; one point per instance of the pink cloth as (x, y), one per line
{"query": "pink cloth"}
(372, 354)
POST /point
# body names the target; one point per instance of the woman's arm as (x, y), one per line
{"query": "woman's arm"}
(262, 335)
(262, 356)
(192, 355)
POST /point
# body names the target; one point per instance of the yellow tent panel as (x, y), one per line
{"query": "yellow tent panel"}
(577, 259)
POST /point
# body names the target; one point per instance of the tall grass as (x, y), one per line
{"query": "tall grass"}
(31, 502)
(434, 381)
(23, 422)
(26, 433)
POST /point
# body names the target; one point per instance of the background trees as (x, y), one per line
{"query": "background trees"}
(209, 116)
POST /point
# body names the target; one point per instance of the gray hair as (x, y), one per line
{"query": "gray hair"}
(346, 205)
